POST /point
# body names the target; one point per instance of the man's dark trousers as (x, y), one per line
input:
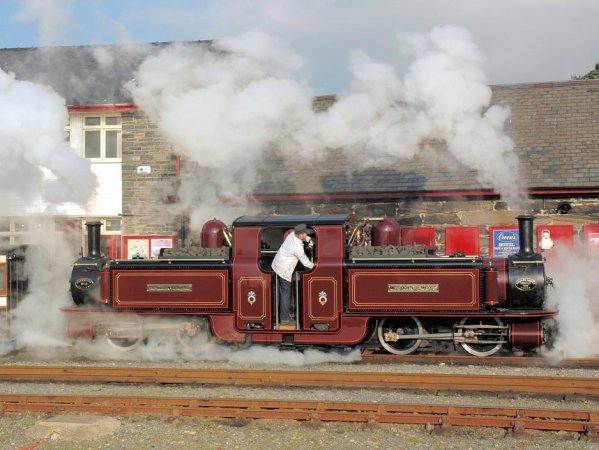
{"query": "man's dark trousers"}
(284, 299)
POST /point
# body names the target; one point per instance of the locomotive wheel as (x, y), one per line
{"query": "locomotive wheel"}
(193, 334)
(391, 330)
(125, 334)
(483, 349)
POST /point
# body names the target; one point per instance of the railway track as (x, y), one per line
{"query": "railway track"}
(432, 416)
(538, 385)
(370, 357)
(496, 361)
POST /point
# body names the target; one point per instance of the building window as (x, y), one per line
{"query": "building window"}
(67, 131)
(17, 231)
(102, 137)
(13, 231)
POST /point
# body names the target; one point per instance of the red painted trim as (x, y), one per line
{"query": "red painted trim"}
(459, 315)
(416, 195)
(546, 84)
(352, 331)
(223, 327)
(114, 107)
(558, 191)
(372, 195)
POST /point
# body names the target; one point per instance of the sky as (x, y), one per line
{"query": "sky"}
(523, 40)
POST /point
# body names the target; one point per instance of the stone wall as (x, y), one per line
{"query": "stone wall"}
(146, 197)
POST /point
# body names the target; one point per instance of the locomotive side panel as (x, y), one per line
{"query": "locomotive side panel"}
(252, 299)
(174, 288)
(323, 286)
(411, 289)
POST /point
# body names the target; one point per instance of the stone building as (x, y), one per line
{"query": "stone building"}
(555, 127)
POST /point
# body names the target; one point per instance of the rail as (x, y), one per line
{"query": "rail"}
(538, 385)
(436, 416)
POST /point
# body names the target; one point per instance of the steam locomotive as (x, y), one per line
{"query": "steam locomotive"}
(394, 298)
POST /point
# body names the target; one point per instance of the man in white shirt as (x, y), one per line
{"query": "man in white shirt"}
(290, 252)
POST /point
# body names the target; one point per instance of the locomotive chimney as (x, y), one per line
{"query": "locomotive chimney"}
(526, 234)
(93, 239)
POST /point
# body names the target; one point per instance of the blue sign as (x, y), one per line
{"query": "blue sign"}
(505, 242)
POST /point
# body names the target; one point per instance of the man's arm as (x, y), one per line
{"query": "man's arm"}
(299, 252)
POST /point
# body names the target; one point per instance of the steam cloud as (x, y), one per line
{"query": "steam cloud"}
(230, 106)
(163, 346)
(223, 109)
(37, 321)
(444, 98)
(576, 297)
(41, 172)
(42, 175)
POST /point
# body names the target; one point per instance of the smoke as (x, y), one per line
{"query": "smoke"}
(223, 107)
(39, 165)
(41, 175)
(37, 320)
(229, 106)
(52, 16)
(442, 102)
(576, 297)
(164, 346)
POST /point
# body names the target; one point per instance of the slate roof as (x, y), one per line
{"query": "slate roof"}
(555, 127)
(334, 175)
(83, 75)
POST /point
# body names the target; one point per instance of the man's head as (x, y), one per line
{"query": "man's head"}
(302, 230)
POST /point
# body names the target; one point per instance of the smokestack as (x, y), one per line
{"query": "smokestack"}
(93, 239)
(526, 233)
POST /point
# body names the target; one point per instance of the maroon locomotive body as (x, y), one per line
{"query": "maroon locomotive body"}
(385, 296)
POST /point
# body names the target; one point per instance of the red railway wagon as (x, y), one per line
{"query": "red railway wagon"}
(397, 298)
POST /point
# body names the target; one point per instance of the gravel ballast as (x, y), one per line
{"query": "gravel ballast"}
(162, 432)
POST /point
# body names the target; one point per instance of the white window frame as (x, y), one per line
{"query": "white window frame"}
(103, 128)
(67, 130)
(17, 237)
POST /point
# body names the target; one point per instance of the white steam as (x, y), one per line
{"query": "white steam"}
(444, 98)
(37, 320)
(576, 297)
(164, 346)
(229, 106)
(41, 175)
(41, 172)
(222, 108)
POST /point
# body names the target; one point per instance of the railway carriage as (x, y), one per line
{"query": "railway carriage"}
(394, 298)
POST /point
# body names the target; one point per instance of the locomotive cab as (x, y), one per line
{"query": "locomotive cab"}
(271, 239)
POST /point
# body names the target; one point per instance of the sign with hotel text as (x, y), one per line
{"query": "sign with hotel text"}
(503, 241)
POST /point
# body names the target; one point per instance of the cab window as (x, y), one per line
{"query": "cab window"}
(271, 239)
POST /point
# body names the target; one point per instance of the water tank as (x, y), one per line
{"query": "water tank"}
(386, 232)
(213, 234)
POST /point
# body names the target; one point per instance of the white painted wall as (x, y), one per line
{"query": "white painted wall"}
(108, 198)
